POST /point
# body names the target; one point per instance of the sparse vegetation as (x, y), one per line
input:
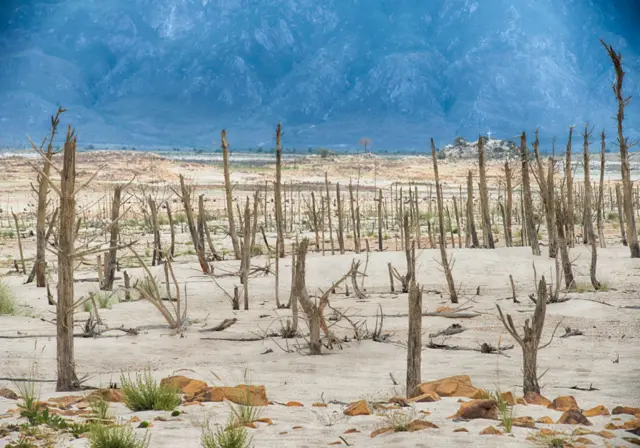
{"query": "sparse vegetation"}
(8, 304)
(143, 393)
(118, 436)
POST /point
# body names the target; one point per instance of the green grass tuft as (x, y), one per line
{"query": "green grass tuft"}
(145, 394)
(7, 300)
(121, 436)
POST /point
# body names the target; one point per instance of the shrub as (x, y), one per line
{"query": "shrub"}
(229, 437)
(324, 153)
(120, 436)
(145, 394)
(7, 300)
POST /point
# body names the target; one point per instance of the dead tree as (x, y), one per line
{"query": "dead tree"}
(410, 252)
(623, 143)
(621, 218)
(568, 173)
(380, 219)
(354, 218)
(530, 341)
(561, 222)
(541, 178)
(228, 195)
(111, 260)
(446, 266)
(278, 193)
(172, 229)
(484, 196)
(340, 219)
(414, 341)
(43, 190)
(19, 234)
(600, 202)
(508, 174)
(185, 196)
(587, 197)
(471, 225)
(246, 248)
(532, 233)
(157, 247)
(326, 185)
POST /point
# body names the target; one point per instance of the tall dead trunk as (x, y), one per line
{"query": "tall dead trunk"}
(600, 202)
(380, 219)
(228, 195)
(414, 341)
(623, 231)
(278, 192)
(484, 197)
(356, 240)
(19, 235)
(326, 185)
(530, 341)
(507, 213)
(43, 189)
(157, 248)
(111, 260)
(532, 234)
(627, 188)
(561, 218)
(67, 378)
(195, 240)
(471, 225)
(311, 310)
(544, 195)
(586, 208)
(340, 219)
(246, 253)
(172, 229)
(446, 267)
(568, 172)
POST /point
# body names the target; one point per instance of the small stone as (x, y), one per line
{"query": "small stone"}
(631, 424)
(567, 403)
(461, 430)
(381, 431)
(606, 434)
(491, 430)
(282, 433)
(241, 394)
(524, 422)
(545, 420)
(625, 410)
(579, 431)
(294, 404)
(584, 441)
(454, 386)
(337, 442)
(487, 409)
(351, 431)
(297, 427)
(418, 425)
(320, 405)
(521, 400)
(358, 408)
(508, 398)
(8, 394)
(266, 420)
(536, 398)
(429, 397)
(400, 401)
(573, 417)
(612, 426)
(594, 412)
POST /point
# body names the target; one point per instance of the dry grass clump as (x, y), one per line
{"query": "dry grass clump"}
(7, 300)
(119, 436)
(144, 394)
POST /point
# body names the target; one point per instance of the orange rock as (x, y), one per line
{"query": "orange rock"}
(584, 441)
(612, 426)
(461, 430)
(429, 397)
(547, 432)
(358, 408)
(110, 395)
(487, 409)
(524, 422)
(545, 420)
(535, 398)
(606, 434)
(444, 309)
(320, 405)
(381, 431)
(188, 386)
(266, 420)
(573, 417)
(241, 394)
(134, 419)
(351, 431)
(251, 425)
(521, 400)
(8, 394)
(491, 430)
(455, 386)
(508, 398)
(294, 404)
(632, 424)
(564, 404)
(598, 410)
(625, 410)
(579, 431)
(419, 425)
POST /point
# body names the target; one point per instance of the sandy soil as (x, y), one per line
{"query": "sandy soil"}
(606, 356)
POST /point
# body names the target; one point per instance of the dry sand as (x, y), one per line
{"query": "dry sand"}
(359, 370)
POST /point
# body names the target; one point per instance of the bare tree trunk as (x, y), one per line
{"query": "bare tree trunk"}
(530, 341)
(508, 178)
(484, 197)
(588, 223)
(112, 259)
(43, 189)
(356, 240)
(544, 194)
(312, 311)
(414, 341)
(172, 248)
(380, 219)
(623, 232)
(340, 219)
(19, 234)
(600, 203)
(568, 172)
(186, 201)
(67, 378)
(157, 249)
(278, 191)
(326, 185)
(627, 188)
(532, 234)
(228, 195)
(443, 252)
(561, 217)
(246, 253)
(471, 226)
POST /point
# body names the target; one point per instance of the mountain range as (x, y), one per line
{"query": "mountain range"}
(175, 72)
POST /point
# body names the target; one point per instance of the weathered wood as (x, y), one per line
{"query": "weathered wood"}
(228, 195)
(532, 233)
(484, 197)
(414, 341)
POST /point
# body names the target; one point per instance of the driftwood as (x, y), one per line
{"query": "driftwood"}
(221, 326)
(452, 315)
(483, 348)
(449, 331)
(568, 332)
